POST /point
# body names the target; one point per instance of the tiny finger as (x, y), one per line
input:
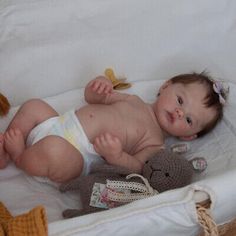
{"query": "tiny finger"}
(95, 85)
(101, 88)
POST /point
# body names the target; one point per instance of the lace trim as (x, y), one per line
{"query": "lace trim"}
(114, 189)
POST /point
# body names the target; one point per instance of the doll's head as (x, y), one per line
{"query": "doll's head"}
(190, 105)
(215, 97)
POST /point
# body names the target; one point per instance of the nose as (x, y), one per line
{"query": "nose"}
(179, 112)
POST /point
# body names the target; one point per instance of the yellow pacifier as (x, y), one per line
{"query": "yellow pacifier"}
(118, 84)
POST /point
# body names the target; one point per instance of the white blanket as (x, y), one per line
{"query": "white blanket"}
(52, 48)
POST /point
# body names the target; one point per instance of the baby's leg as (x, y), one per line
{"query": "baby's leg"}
(51, 157)
(30, 114)
(14, 143)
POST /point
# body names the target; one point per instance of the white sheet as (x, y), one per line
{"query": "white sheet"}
(52, 48)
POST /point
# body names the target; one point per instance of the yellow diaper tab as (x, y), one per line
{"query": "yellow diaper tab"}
(68, 132)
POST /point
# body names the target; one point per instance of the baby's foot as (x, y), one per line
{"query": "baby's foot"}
(4, 158)
(14, 143)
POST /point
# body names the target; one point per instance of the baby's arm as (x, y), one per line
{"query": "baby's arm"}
(100, 90)
(110, 148)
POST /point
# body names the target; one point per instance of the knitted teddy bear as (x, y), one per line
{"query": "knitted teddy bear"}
(164, 171)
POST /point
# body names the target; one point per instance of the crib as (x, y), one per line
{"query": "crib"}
(50, 49)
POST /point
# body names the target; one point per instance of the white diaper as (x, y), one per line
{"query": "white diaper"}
(68, 127)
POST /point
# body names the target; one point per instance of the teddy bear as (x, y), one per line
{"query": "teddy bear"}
(162, 172)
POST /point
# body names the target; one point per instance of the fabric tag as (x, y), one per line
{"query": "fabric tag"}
(99, 197)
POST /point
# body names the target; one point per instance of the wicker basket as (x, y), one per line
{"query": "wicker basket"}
(209, 227)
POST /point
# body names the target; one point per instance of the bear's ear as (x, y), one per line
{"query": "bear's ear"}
(199, 164)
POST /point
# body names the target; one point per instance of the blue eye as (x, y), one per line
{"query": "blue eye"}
(180, 100)
(189, 121)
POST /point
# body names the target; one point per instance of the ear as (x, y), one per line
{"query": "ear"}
(199, 164)
(188, 138)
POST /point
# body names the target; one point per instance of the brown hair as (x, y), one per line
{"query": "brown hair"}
(211, 99)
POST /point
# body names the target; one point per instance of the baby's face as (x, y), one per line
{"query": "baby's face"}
(180, 109)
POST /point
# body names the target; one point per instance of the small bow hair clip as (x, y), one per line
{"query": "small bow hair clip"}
(221, 91)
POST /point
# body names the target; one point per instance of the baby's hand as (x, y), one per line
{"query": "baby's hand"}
(101, 85)
(108, 146)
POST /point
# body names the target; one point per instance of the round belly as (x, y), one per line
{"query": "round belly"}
(97, 119)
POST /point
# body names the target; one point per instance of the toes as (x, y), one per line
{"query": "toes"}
(17, 131)
(8, 135)
(12, 133)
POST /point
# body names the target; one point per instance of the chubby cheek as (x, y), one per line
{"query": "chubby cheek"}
(180, 128)
(163, 104)
(182, 124)
(186, 130)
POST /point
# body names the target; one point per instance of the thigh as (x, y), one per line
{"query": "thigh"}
(30, 114)
(52, 157)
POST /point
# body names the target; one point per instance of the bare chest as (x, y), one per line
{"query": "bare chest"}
(131, 122)
(143, 133)
(137, 130)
